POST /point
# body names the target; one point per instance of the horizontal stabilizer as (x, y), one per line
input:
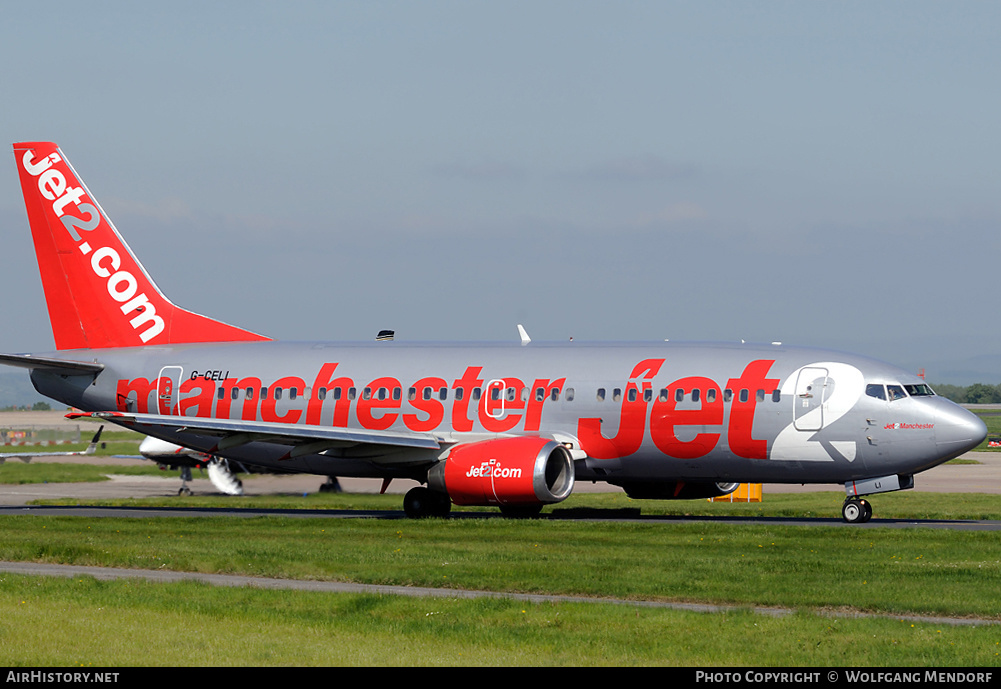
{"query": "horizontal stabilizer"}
(63, 367)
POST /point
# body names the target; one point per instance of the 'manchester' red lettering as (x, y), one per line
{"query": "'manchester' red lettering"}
(381, 404)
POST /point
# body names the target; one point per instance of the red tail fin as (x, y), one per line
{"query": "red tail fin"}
(97, 292)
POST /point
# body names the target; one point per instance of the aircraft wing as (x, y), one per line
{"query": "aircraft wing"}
(28, 456)
(302, 440)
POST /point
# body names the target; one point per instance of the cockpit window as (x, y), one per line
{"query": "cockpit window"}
(875, 390)
(919, 390)
(895, 392)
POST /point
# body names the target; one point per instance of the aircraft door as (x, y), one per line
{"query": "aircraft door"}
(808, 403)
(493, 403)
(168, 387)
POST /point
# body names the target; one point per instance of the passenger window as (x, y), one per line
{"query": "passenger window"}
(568, 395)
(743, 395)
(601, 394)
(776, 395)
(278, 393)
(412, 394)
(760, 395)
(616, 394)
(397, 393)
(647, 395)
(235, 393)
(555, 394)
(679, 395)
(727, 395)
(540, 394)
(443, 394)
(366, 394)
(321, 394)
(459, 393)
(663, 397)
(695, 395)
(711, 395)
(631, 396)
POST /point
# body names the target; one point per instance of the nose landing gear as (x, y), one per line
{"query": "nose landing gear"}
(856, 511)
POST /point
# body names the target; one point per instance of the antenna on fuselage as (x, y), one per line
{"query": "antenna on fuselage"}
(385, 335)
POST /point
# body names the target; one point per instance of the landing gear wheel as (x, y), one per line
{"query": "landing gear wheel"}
(866, 510)
(420, 503)
(331, 486)
(856, 511)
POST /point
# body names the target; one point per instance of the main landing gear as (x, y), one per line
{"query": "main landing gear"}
(424, 502)
(185, 477)
(856, 510)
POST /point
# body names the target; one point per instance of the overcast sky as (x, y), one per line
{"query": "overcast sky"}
(819, 174)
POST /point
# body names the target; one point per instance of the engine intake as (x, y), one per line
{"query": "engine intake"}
(505, 471)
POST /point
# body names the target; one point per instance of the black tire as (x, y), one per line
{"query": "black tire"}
(421, 503)
(852, 512)
(442, 504)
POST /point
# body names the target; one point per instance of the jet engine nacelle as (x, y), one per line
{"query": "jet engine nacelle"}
(506, 472)
(676, 490)
(165, 452)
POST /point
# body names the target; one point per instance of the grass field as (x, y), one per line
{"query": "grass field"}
(814, 570)
(84, 622)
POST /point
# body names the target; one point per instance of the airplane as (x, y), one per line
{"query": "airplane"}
(173, 456)
(26, 457)
(512, 425)
(221, 471)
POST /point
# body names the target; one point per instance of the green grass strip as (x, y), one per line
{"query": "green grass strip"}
(83, 622)
(919, 571)
(902, 505)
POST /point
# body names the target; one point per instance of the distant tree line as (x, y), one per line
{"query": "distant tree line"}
(978, 393)
(37, 406)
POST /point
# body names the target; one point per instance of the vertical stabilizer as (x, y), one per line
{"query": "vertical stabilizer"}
(97, 292)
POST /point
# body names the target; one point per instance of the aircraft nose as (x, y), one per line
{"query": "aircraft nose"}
(958, 430)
